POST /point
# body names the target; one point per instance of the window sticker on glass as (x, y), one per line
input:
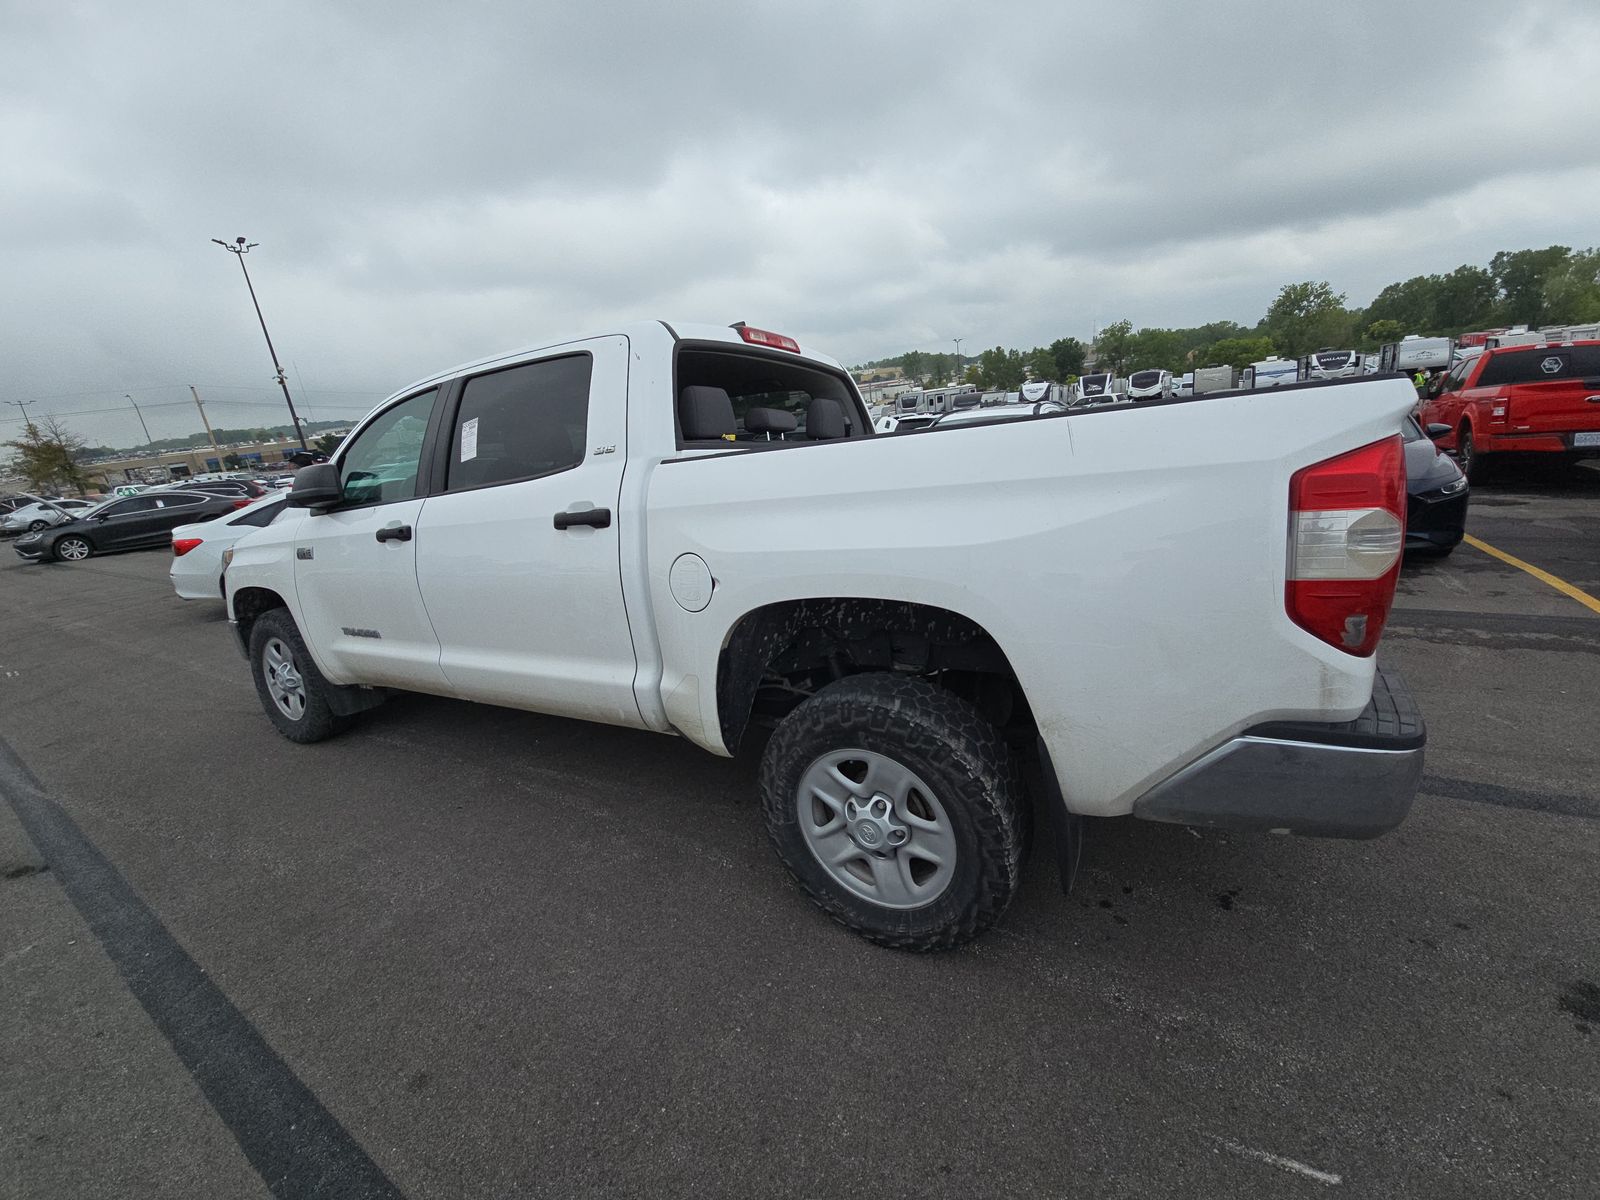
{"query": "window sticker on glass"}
(469, 440)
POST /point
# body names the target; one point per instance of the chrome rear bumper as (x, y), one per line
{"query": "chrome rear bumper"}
(1353, 779)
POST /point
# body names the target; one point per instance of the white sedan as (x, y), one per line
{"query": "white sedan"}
(197, 549)
(31, 518)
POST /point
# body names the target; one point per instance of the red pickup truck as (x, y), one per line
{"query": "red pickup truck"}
(1520, 399)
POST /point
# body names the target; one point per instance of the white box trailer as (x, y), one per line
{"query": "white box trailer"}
(1329, 364)
(1413, 353)
(1213, 379)
(1150, 385)
(1271, 371)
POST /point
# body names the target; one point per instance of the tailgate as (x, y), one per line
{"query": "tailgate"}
(1560, 406)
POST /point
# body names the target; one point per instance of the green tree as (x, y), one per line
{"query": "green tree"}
(1113, 347)
(327, 443)
(1158, 349)
(1039, 363)
(1236, 352)
(47, 456)
(1411, 304)
(1068, 353)
(1001, 370)
(1520, 275)
(1572, 294)
(1463, 299)
(1381, 333)
(1306, 316)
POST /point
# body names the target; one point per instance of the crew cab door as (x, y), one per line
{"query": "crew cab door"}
(355, 564)
(171, 511)
(119, 526)
(518, 545)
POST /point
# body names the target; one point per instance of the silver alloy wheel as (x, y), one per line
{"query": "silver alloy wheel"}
(72, 549)
(876, 828)
(285, 684)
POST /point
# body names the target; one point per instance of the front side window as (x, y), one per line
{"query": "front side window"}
(521, 423)
(380, 465)
(123, 508)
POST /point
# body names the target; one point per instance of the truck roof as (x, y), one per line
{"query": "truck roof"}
(634, 331)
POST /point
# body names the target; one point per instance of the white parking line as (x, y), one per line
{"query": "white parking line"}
(1288, 1164)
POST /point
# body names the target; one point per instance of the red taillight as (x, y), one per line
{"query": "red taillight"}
(1347, 528)
(773, 341)
(182, 546)
(242, 502)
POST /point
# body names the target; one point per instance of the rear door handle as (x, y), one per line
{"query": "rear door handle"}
(394, 533)
(597, 518)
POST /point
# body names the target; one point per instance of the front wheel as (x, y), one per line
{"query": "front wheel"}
(898, 809)
(73, 549)
(292, 690)
(35, 526)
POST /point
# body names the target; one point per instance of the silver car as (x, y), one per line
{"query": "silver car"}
(42, 514)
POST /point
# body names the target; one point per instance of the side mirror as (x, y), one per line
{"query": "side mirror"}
(316, 486)
(1437, 431)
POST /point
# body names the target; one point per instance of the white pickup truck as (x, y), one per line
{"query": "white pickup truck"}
(1168, 609)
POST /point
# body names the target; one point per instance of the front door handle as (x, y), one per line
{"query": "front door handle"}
(394, 533)
(597, 518)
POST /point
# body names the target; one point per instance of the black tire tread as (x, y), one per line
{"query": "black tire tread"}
(319, 721)
(930, 721)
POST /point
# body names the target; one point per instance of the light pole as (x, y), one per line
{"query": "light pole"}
(142, 425)
(27, 421)
(958, 342)
(239, 249)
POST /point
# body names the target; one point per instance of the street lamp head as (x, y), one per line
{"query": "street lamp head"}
(238, 241)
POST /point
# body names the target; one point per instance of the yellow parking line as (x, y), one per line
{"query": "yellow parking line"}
(1560, 585)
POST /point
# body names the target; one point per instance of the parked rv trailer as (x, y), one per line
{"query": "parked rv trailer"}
(1214, 379)
(1413, 353)
(1271, 371)
(1329, 364)
(1150, 385)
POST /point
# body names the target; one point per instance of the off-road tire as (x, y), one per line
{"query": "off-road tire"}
(963, 759)
(318, 721)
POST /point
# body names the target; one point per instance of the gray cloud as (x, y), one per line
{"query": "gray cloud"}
(430, 185)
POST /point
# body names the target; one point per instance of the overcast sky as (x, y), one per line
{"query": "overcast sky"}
(431, 184)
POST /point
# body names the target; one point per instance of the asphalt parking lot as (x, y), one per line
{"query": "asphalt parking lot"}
(465, 951)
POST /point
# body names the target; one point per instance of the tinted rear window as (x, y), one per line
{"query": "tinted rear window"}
(756, 381)
(1540, 364)
(1145, 378)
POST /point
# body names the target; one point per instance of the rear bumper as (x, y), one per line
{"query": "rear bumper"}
(1436, 520)
(1353, 779)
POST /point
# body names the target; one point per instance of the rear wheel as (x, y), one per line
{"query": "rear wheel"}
(1467, 453)
(898, 810)
(292, 690)
(35, 526)
(73, 548)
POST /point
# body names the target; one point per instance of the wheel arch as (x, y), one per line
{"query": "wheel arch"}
(779, 653)
(248, 604)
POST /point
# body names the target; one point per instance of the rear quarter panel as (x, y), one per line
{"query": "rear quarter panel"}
(1130, 562)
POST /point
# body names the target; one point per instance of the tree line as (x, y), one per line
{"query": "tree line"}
(51, 457)
(1553, 286)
